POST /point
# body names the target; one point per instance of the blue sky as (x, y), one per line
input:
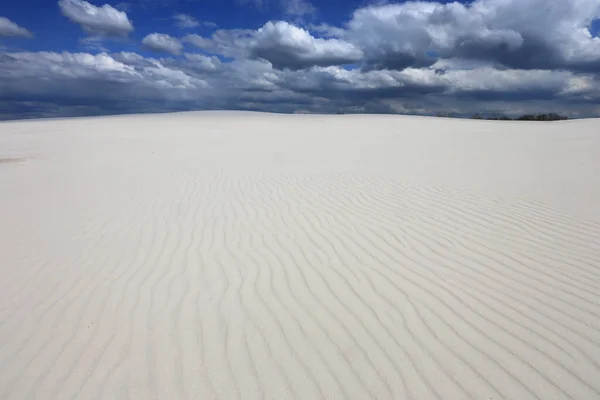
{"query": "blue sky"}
(54, 32)
(77, 57)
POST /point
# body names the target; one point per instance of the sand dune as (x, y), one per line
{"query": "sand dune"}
(241, 255)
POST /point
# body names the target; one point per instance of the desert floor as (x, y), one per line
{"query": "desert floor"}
(246, 256)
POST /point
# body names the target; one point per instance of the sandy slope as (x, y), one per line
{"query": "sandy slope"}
(237, 255)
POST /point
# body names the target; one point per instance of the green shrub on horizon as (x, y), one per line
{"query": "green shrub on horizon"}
(526, 117)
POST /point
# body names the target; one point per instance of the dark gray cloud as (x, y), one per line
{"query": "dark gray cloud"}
(129, 82)
(521, 34)
(518, 34)
(95, 80)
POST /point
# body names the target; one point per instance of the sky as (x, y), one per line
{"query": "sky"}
(494, 57)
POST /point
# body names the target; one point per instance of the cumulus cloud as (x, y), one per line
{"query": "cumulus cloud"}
(228, 42)
(162, 43)
(75, 83)
(98, 21)
(9, 28)
(519, 34)
(392, 36)
(288, 46)
(72, 82)
(524, 34)
(501, 56)
(199, 41)
(282, 44)
(202, 63)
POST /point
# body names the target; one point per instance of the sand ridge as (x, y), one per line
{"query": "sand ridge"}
(241, 255)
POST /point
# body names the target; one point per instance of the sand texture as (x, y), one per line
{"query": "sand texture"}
(226, 255)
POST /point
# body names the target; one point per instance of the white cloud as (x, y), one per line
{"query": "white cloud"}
(198, 41)
(9, 28)
(129, 58)
(282, 44)
(104, 21)
(58, 66)
(230, 43)
(288, 46)
(203, 63)
(162, 43)
(105, 82)
(519, 34)
(185, 21)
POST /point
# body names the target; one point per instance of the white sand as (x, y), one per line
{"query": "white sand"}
(239, 255)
